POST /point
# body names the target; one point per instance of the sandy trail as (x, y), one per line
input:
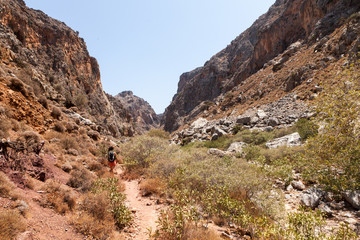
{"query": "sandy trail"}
(145, 210)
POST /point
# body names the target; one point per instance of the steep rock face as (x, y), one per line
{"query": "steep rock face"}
(142, 113)
(51, 58)
(285, 23)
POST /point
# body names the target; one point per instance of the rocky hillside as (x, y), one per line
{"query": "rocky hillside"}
(53, 63)
(288, 49)
(142, 113)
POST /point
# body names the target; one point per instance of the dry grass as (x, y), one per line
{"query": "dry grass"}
(192, 232)
(81, 179)
(152, 186)
(56, 113)
(98, 206)
(11, 224)
(6, 186)
(88, 225)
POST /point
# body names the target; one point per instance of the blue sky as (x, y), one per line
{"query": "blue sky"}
(145, 45)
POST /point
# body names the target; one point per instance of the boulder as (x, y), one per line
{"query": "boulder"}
(261, 114)
(214, 137)
(299, 185)
(244, 120)
(311, 197)
(199, 123)
(188, 133)
(273, 121)
(216, 152)
(325, 209)
(236, 147)
(352, 197)
(220, 132)
(290, 140)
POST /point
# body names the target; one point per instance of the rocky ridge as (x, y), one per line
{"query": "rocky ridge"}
(143, 115)
(53, 62)
(284, 51)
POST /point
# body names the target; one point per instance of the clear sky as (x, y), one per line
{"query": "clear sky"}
(145, 45)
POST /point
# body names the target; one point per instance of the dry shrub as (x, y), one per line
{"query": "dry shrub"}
(96, 166)
(43, 101)
(59, 127)
(88, 225)
(56, 112)
(29, 140)
(5, 126)
(81, 179)
(192, 232)
(152, 186)
(19, 86)
(94, 135)
(5, 111)
(71, 126)
(68, 142)
(5, 185)
(11, 224)
(58, 197)
(98, 206)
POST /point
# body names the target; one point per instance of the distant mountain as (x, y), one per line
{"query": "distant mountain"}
(143, 115)
(280, 53)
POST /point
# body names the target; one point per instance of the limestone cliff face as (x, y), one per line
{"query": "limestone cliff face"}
(286, 22)
(51, 58)
(143, 115)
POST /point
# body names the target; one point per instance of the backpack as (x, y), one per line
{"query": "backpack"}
(111, 156)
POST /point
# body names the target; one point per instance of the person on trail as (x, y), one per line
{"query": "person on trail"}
(111, 158)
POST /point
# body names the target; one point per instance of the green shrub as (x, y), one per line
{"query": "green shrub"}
(222, 142)
(306, 128)
(255, 137)
(120, 212)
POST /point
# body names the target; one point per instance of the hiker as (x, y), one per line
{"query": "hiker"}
(111, 158)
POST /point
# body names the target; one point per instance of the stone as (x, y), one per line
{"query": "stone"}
(311, 197)
(220, 132)
(261, 114)
(66, 167)
(244, 120)
(289, 188)
(325, 209)
(290, 140)
(337, 205)
(188, 133)
(214, 137)
(216, 152)
(299, 185)
(352, 197)
(199, 123)
(236, 147)
(273, 121)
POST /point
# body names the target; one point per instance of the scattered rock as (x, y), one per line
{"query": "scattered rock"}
(352, 197)
(325, 209)
(216, 152)
(236, 147)
(66, 167)
(311, 197)
(290, 140)
(299, 185)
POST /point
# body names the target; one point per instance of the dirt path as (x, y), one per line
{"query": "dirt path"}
(145, 210)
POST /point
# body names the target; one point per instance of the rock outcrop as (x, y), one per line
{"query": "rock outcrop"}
(143, 115)
(53, 60)
(268, 49)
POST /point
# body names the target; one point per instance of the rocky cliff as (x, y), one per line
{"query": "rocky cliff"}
(233, 78)
(53, 60)
(143, 115)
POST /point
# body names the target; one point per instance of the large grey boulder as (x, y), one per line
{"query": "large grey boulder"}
(352, 197)
(199, 123)
(312, 197)
(261, 114)
(290, 140)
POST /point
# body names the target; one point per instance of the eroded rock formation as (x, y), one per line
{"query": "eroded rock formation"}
(288, 27)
